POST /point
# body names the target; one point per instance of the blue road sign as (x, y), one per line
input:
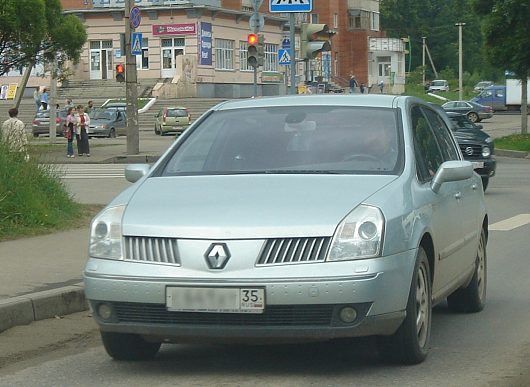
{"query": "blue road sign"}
(135, 17)
(284, 57)
(286, 43)
(290, 6)
(136, 43)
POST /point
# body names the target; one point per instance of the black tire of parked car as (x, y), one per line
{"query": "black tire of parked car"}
(472, 298)
(410, 344)
(126, 346)
(112, 133)
(157, 131)
(473, 117)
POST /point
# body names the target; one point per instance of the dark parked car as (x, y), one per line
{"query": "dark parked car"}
(41, 123)
(474, 111)
(108, 122)
(476, 146)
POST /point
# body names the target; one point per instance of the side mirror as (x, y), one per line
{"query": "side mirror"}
(454, 170)
(135, 172)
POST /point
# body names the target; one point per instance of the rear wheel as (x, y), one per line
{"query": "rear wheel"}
(410, 343)
(126, 346)
(473, 117)
(157, 131)
(472, 298)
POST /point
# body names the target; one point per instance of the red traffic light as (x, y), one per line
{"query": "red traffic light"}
(120, 68)
(252, 39)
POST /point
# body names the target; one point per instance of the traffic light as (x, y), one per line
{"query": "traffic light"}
(252, 50)
(261, 50)
(120, 72)
(315, 39)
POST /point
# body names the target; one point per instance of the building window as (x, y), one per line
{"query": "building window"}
(271, 57)
(243, 54)
(142, 61)
(335, 21)
(384, 65)
(314, 18)
(224, 54)
(358, 19)
(375, 21)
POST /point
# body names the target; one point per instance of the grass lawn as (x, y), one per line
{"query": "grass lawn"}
(518, 142)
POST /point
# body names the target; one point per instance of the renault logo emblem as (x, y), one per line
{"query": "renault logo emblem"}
(217, 255)
(469, 151)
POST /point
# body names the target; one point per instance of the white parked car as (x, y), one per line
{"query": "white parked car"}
(439, 85)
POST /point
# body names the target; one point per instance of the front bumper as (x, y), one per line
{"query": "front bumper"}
(98, 132)
(488, 169)
(173, 128)
(306, 307)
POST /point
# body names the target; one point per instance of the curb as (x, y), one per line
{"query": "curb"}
(23, 310)
(511, 153)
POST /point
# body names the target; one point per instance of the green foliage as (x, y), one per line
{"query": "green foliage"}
(37, 30)
(32, 197)
(519, 142)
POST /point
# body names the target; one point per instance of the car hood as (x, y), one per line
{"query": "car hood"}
(246, 206)
(470, 135)
(99, 122)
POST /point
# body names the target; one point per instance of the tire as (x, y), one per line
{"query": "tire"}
(112, 133)
(473, 117)
(35, 135)
(472, 298)
(125, 346)
(485, 181)
(410, 344)
(157, 132)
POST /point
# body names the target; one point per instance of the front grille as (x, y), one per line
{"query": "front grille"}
(477, 151)
(274, 315)
(150, 249)
(294, 250)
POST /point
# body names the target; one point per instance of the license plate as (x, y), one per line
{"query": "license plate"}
(478, 164)
(215, 300)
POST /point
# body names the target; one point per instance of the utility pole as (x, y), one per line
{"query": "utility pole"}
(131, 87)
(423, 59)
(460, 83)
(293, 53)
(52, 102)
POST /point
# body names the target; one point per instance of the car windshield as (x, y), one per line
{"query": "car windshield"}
(462, 122)
(104, 115)
(299, 139)
(438, 83)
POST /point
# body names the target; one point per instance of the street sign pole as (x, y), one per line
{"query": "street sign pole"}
(131, 87)
(293, 54)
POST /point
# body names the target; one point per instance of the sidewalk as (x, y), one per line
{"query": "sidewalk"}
(41, 276)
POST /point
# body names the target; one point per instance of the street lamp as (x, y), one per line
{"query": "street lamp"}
(460, 83)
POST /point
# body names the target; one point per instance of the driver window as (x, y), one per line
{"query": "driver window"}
(426, 150)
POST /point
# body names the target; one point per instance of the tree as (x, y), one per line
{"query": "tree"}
(507, 41)
(37, 31)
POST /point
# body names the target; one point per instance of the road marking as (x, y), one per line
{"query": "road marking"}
(510, 223)
(91, 171)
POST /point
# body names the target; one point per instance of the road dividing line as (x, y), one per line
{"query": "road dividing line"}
(510, 223)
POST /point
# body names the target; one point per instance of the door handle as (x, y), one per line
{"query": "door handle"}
(458, 195)
(474, 187)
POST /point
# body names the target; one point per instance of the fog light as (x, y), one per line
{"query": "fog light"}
(348, 314)
(104, 311)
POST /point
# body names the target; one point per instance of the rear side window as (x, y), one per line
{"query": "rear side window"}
(426, 149)
(442, 134)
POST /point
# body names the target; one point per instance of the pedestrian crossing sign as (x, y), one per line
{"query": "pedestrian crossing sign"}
(136, 43)
(284, 57)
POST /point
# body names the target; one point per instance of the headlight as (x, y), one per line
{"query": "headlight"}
(101, 126)
(488, 140)
(359, 235)
(486, 151)
(105, 234)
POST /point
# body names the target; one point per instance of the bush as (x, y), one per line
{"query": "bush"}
(32, 197)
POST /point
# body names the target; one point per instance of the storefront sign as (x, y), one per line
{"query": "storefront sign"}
(271, 77)
(205, 44)
(175, 29)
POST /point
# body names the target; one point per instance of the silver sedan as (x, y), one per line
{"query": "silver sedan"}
(292, 218)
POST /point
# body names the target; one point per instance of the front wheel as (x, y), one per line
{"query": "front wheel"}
(112, 133)
(126, 346)
(410, 343)
(157, 131)
(472, 298)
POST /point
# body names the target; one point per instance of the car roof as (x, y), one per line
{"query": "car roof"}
(175, 107)
(372, 100)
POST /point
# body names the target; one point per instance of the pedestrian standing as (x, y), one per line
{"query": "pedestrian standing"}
(361, 88)
(82, 121)
(89, 107)
(44, 99)
(69, 131)
(14, 134)
(68, 103)
(353, 84)
(381, 86)
(36, 97)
